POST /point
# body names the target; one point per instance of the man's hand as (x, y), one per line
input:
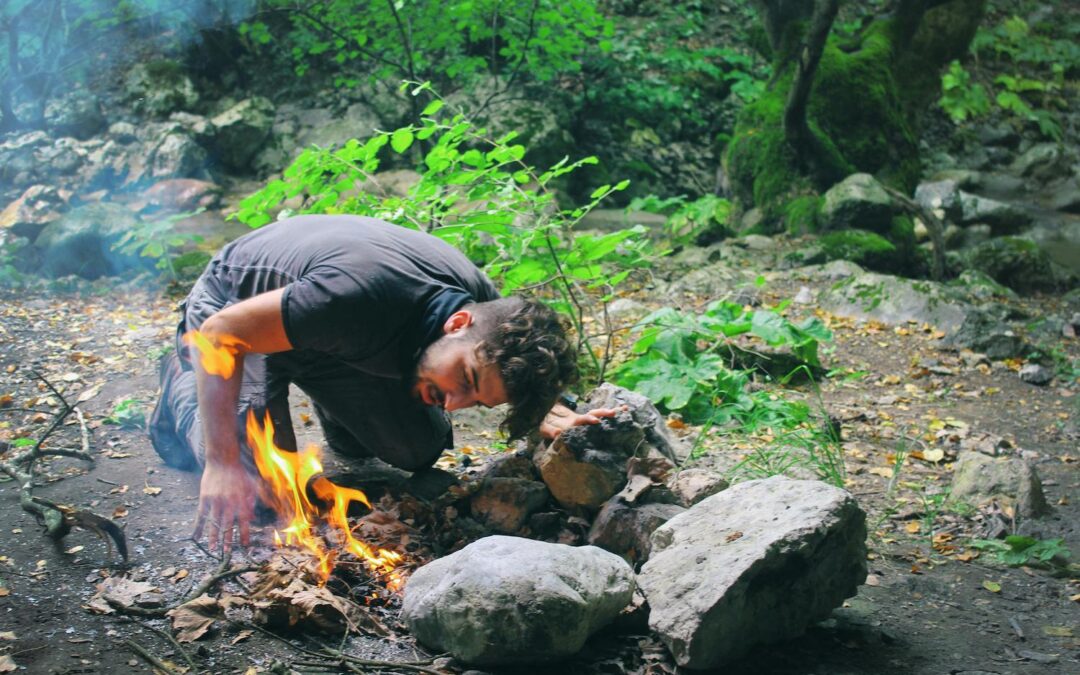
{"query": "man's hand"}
(562, 418)
(226, 498)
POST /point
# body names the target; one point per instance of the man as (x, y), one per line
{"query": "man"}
(384, 328)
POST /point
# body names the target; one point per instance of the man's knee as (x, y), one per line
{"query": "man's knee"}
(420, 448)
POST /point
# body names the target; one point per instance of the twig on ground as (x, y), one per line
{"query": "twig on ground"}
(141, 652)
(223, 572)
(165, 635)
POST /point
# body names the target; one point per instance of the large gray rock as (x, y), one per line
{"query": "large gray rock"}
(984, 333)
(942, 197)
(241, 131)
(894, 301)
(75, 114)
(81, 242)
(1040, 161)
(177, 155)
(978, 478)
(158, 88)
(35, 208)
(755, 564)
(507, 600)
(1020, 264)
(858, 201)
(586, 465)
(20, 163)
(1002, 217)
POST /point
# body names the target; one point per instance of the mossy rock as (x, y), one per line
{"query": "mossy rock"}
(868, 249)
(801, 215)
(1013, 261)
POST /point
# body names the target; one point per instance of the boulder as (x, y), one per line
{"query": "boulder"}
(895, 301)
(1065, 197)
(1041, 161)
(858, 201)
(1020, 264)
(710, 282)
(81, 242)
(38, 206)
(504, 504)
(177, 195)
(978, 478)
(123, 132)
(1002, 217)
(867, 249)
(585, 466)
(508, 600)
(984, 333)
(241, 131)
(942, 197)
(625, 529)
(1036, 374)
(158, 88)
(76, 114)
(19, 162)
(755, 564)
(177, 155)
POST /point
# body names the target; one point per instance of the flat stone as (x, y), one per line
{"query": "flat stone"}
(858, 201)
(625, 529)
(755, 564)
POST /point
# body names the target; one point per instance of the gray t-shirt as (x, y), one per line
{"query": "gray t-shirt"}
(360, 290)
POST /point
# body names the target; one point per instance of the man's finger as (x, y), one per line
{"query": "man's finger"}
(200, 521)
(215, 525)
(245, 530)
(227, 529)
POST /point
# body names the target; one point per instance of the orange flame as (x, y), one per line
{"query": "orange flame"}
(217, 357)
(286, 476)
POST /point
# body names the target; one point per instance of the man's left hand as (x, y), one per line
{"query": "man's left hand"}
(562, 418)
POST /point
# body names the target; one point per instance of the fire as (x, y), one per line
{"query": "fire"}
(217, 358)
(286, 476)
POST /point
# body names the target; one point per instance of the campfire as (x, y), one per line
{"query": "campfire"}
(293, 485)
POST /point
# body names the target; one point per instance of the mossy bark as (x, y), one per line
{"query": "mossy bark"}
(866, 96)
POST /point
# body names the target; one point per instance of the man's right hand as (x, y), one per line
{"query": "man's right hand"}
(226, 500)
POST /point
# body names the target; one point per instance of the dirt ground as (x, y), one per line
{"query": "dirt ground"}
(930, 605)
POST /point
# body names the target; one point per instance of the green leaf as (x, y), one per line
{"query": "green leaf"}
(432, 108)
(401, 140)
(599, 192)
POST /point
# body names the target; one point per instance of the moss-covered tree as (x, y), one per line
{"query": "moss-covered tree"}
(837, 104)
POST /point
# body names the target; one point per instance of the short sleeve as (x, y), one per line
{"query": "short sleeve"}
(323, 311)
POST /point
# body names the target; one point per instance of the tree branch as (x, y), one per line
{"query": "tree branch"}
(796, 128)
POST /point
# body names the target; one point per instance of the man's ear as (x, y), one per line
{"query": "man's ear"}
(458, 321)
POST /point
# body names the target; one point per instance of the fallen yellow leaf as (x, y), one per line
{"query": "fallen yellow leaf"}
(913, 527)
(992, 586)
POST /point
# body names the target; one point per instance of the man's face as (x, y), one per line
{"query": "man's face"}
(451, 374)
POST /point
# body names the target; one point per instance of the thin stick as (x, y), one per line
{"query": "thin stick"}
(148, 657)
(160, 633)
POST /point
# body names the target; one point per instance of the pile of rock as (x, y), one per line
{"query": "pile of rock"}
(721, 570)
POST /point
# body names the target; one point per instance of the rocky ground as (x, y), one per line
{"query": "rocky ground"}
(931, 603)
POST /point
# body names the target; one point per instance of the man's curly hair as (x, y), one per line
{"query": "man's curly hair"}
(536, 359)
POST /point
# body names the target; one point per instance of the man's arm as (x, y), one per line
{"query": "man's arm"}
(226, 492)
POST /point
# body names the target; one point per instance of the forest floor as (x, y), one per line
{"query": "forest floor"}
(930, 605)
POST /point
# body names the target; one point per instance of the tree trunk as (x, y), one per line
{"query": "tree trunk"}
(8, 120)
(836, 107)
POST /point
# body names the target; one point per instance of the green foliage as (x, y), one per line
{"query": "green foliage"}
(686, 220)
(961, 98)
(159, 240)
(1040, 63)
(477, 193)
(428, 40)
(680, 363)
(1018, 550)
(127, 414)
